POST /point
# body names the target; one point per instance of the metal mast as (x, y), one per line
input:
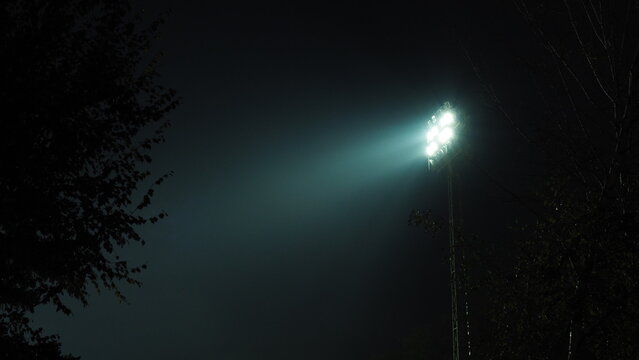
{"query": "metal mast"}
(453, 267)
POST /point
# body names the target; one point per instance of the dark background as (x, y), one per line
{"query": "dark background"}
(298, 156)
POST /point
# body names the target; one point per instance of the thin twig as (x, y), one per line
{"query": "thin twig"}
(585, 53)
(494, 98)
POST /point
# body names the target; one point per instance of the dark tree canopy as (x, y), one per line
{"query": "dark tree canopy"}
(81, 110)
(573, 289)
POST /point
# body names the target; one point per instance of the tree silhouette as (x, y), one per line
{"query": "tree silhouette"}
(573, 289)
(81, 110)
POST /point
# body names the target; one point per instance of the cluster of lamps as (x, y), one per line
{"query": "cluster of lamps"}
(440, 132)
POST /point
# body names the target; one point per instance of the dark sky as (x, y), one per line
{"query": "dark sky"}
(298, 156)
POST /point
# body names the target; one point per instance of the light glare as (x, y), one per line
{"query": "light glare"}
(432, 133)
(447, 119)
(445, 135)
(441, 131)
(431, 149)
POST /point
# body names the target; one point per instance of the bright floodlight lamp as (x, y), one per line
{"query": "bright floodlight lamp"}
(441, 132)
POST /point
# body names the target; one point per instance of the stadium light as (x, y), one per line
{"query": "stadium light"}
(440, 133)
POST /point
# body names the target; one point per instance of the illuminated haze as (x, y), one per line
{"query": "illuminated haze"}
(298, 154)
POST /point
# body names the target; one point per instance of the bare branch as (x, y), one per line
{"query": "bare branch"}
(494, 98)
(599, 36)
(625, 26)
(571, 148)
(631, 82)
(585, 53)
(550, 47)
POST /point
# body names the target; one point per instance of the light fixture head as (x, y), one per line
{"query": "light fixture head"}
(441, 132)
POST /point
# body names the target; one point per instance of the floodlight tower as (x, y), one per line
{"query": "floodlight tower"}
(440, 135)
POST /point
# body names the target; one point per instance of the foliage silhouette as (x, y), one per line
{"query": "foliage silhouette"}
(81, 110)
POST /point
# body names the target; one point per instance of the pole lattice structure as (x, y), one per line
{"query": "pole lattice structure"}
(453, 266)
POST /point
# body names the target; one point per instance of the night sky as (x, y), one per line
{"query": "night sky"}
(298, 157)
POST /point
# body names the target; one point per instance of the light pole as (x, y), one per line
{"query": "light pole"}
(441, 132)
